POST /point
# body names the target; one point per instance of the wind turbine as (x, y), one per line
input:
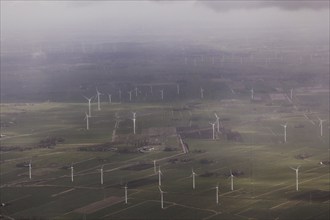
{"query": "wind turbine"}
(87, 120)
(119, 93)
(291, 94)
(193, 175)
(155, 169)
(217, 194)
(159, 176)
(109, 95)
(218, 121)
(321, 126)
(134, 119)
(162, 94)
(161, 197)
(98, 99)
(297, 171)
(136, 91)
(125, 194)
(202, 93)
(151, 90)
(252, 94)
(30, 169)
(231, 181)
(178, 89)
(284, 126)
(71, 172)
(213, 128)
(130, 95)
(89, 104)
(101, 172)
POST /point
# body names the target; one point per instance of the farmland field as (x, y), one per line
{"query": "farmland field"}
(264, 184)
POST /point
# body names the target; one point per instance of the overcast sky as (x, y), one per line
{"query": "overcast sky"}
(57, 18)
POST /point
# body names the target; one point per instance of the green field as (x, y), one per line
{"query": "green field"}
(264, 185)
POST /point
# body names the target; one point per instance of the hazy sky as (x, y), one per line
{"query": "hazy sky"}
(59, 18)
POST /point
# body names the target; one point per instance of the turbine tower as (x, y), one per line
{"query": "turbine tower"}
(98, 99)
(151, 90)
(30, 169)
(125, 194)
(134, 119)
(297, 173)
(71, 172)
(159, 176)
(321, 126)
(217, 194)
(101, 172)
(218, 122)
(109, 95)
(252, 94)
(193, 174)
(291, 94)
(161, 197)
(155, 169)
(284, 126)
(178, 89)
(202, 93)
(89, 104)
(136, 91)
(213, 130)
(231, 181)
(130, 95)
(87, 120)
(119, 93)
(162, 94)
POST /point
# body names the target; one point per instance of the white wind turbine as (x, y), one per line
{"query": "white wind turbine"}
(98, 99)
(178, 89)
(151, 90)
(252, 94)
(202, 93)
(89, 104)
(321, 126)
(162, 94)
(284, 126)
(30, 169)
(297, 173)
(136, 91)
(291, 94)
(87, 120)
(217, 194)
(231, 181)
(134, 119)
(119, 94)
(193, 175)
(161, 197)
(130, 95)
(101, 172)
(110, 100)
(125, 194)
(213, 130)
(155, 168)
(159, 176)
(218, 122)
(71, 168)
